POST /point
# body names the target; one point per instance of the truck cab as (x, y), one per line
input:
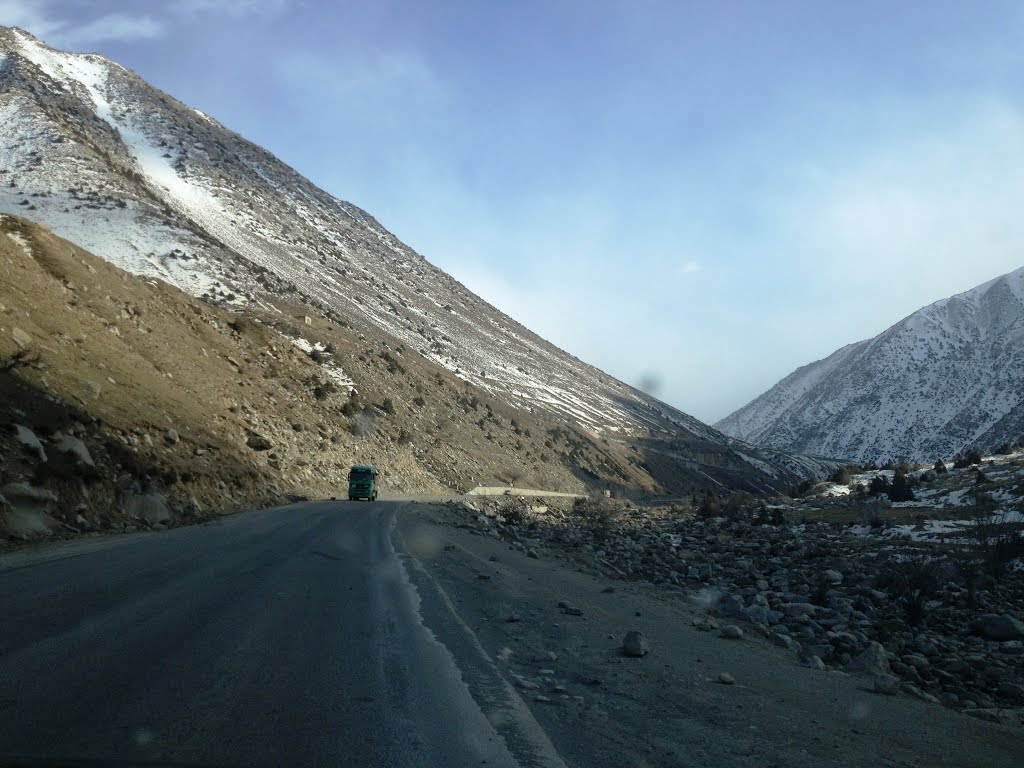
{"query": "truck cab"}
(362, 482)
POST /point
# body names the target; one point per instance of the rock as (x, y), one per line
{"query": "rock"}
(731, 632)
(634, 644)
(27, 437)
(814, 662)
(888, 685)
(532, 553)
(25, 492)
(784, 641)
(21, 338)
(796, 610)
(873, 660)
(171, 436)
(988, 715)
(522, 682)
(258, 442)
(80, 520)
(1011, 691)
(756, 614)
(1012, 647)
(726, 679)
(512, 618)
(150, 507)
(72, 446)
(833, 577)
(569, 610)
(705, 623)
(1004, 627)
(545, 656)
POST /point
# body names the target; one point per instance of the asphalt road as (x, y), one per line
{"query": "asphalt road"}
(290, 636)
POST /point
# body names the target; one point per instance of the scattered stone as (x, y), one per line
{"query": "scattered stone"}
(74, 447)
(512, 618)
(171, 436)
(27, 492)
(258, 442)
(634, 644)
(726, 679)
(21, 338)
(569, 610)
(1012, 647)
(994, 627)
(608, 590)
(543, 655)
(27, 437)
(873, 660)
(731, 632)
(532, 553)
(705, 623)
(149, 507)
(815, 662)
(833, 577)
(523, 683)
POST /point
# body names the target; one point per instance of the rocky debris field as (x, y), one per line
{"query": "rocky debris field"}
(919, 619)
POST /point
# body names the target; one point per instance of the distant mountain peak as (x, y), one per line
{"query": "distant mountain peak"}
(946, 378)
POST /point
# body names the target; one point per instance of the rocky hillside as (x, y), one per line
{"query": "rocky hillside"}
(164, 191)
(943, 380)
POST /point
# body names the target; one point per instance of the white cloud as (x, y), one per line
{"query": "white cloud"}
(689, 267)
(233, 7)
(113, 26)
(46, 21)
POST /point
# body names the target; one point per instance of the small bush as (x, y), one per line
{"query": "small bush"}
(388, 406)
(879, 485)
(940, 467)
(324, 389)
(418, 401)
(967, 459)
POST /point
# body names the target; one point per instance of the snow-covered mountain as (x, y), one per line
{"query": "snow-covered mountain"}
(162, 190)
(946, 378)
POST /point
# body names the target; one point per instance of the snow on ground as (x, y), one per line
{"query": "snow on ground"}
(332, 369)
(21, 241)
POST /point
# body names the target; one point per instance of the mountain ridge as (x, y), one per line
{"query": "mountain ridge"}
(163, 190)
(944, 379)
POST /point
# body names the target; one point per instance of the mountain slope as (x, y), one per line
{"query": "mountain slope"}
(164, 191)
(946, 378)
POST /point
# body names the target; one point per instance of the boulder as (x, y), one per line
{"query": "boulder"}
(995, 627)
(873, 660)
(634, 644)
(731, 632)
(74, 447)
(888, 685)
(25, 492)
(27, 437)
(150, 507)
(258, 442)
(171, 436)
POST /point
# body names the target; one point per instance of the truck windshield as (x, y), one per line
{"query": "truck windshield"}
(360, 474)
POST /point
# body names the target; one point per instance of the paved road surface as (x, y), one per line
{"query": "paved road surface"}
(289, 636)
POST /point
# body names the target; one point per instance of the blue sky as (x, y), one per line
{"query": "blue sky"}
(697, 197)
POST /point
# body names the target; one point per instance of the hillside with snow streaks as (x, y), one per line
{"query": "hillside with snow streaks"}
(947, 378)
(160, 189)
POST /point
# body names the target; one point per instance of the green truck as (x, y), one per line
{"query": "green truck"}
(362, 482)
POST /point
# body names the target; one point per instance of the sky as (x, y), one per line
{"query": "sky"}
(696, 197)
